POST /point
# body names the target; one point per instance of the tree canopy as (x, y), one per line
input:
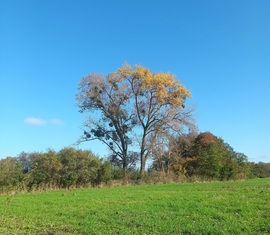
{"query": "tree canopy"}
(133, 107)
(204, 155)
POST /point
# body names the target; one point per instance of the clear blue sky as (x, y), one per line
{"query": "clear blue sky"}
(219, 49)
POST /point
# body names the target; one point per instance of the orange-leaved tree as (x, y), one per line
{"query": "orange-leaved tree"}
(138, 106)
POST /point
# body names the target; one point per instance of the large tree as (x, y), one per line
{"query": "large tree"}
(133, 105)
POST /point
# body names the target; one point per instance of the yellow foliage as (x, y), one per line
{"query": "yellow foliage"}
(125, 71)
(163, 85)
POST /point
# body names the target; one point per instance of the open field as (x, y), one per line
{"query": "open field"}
(188, 208)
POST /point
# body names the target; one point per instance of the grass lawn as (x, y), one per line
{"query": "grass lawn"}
(188, 208)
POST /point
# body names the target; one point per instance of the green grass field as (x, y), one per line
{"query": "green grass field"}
(188, 208)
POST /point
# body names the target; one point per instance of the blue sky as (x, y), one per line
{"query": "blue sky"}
(220, 50)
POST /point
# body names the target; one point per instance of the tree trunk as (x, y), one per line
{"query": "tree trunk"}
(142, 169)
(125, 169)
(125, 164)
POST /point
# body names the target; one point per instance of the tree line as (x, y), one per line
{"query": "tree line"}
(64, 169)
(200, 157)
(204, 155)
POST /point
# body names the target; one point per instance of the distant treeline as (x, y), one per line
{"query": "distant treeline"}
(201, 157)
(207, 157)
(64, 169)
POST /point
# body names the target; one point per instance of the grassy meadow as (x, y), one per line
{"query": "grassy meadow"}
(187, 208)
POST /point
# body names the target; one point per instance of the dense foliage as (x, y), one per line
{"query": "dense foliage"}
(200, 157)
(64, 169)
(203, 155)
